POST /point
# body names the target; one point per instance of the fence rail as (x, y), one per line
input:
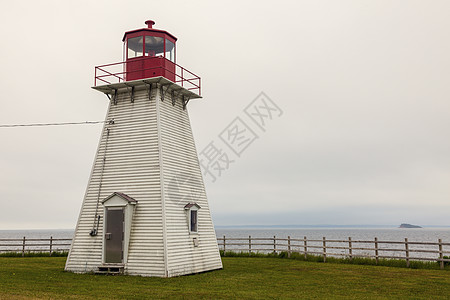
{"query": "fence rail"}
(347, 248)
(376, 249)
(30, 245)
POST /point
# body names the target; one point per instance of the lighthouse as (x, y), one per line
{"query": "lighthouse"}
(145, 210)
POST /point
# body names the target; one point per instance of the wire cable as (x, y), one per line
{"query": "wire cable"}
(51, 124)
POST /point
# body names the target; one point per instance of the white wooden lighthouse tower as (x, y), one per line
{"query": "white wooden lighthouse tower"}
(145, 210)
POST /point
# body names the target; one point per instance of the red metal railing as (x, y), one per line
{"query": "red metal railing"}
(116, 72)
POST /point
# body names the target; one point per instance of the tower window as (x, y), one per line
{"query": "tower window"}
(194, 220)
(192, 214)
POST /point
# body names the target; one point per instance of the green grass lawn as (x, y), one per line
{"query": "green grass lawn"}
(242, 277)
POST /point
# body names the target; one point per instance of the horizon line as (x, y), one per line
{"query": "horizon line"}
(286, 226)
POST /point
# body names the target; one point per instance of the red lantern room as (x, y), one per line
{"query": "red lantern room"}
(149, 52)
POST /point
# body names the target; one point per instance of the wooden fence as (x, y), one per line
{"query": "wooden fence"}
(376, 249)
(25, 245)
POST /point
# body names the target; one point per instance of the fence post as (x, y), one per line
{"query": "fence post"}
(224, 245)
(289, 246)
(324, 250)
(376, 250)
(23, 247)
(407, 252)
(350, 250)
(249, 245)
(305, 242)
(274, 244)
(51, 245)
(441, 255)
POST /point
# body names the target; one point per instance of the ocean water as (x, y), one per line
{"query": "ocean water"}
(37, 234)
(385, 234)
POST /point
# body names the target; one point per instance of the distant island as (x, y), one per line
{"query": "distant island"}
(404, 225)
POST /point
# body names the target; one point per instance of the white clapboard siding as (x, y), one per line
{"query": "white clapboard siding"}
(180, 161)
(131, 167)
(150, 146)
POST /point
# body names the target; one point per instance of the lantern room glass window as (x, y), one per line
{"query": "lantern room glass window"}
(151, 46)
(170, 50)
(135, 46)
(154, 46)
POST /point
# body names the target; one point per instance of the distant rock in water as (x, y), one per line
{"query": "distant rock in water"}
(404, 225)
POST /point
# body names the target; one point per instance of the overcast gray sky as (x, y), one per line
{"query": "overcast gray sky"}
(363, 86)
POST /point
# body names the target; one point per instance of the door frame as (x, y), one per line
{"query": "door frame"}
(128, 204)
(121, 208)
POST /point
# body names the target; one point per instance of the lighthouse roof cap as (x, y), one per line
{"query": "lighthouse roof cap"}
(150, 29)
